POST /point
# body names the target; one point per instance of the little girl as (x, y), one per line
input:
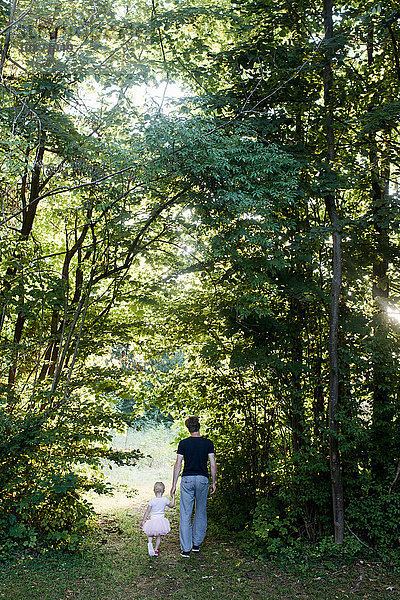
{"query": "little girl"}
(158, 525)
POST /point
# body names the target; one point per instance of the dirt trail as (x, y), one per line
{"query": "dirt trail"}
(119, 501)
(222, 570)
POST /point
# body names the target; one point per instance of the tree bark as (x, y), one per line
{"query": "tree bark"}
(29, 212)
(53, 348)
(297, 403)
(330, 202)
(5, 48)
(19, 325)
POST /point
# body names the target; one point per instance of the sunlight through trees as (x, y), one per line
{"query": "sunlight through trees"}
(215, 181)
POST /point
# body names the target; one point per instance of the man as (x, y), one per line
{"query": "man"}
(194, 451)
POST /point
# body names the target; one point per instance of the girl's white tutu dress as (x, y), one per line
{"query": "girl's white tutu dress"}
(157, 524)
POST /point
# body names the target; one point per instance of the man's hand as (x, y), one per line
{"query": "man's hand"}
(213, 488)
(177, 470)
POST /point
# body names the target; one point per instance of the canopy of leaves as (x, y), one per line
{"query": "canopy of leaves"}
(199, 229)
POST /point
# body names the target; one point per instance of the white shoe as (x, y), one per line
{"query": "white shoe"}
(150, 549)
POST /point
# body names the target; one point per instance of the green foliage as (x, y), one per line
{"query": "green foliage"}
(254, 325)
(152, 417)
(272, 521)
(201, 234)
(375, 517)
(46, 466)
(62, 518)
(224, 570)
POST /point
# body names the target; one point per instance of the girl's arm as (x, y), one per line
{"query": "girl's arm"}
(172, 503)
(146, 514)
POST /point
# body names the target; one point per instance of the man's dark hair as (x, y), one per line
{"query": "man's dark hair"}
(193, 424)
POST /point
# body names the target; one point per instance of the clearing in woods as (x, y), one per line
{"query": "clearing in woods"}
(114, 564)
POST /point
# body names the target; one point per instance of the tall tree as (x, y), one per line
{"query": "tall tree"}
(330, 201)
(275, 71)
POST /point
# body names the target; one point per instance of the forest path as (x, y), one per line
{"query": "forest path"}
(221, 570)
(114, 565)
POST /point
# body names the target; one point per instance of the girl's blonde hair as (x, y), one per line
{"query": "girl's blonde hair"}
(159, 487)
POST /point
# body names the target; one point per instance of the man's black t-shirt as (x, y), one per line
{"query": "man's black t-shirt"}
(195, 451)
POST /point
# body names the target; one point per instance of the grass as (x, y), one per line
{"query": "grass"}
(158, 446)
(115, 566)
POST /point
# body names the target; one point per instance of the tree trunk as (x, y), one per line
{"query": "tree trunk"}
(318, 395)
(297, 409)
(29, 213)
(5, 48)
(330, 202)
(19, 325)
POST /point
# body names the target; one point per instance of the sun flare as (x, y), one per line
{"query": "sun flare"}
(394, 313)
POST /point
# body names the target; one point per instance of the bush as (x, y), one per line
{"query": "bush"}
(272, 520)
(47, 462)
(375, 515)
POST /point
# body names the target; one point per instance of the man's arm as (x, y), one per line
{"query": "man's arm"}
(213, 468)
(177, 470)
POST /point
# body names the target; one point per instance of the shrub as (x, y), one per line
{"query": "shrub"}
(47, 462)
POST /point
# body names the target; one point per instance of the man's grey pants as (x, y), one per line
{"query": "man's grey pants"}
(194, 488)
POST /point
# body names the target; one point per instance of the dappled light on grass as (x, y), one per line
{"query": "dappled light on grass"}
(114, 565)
